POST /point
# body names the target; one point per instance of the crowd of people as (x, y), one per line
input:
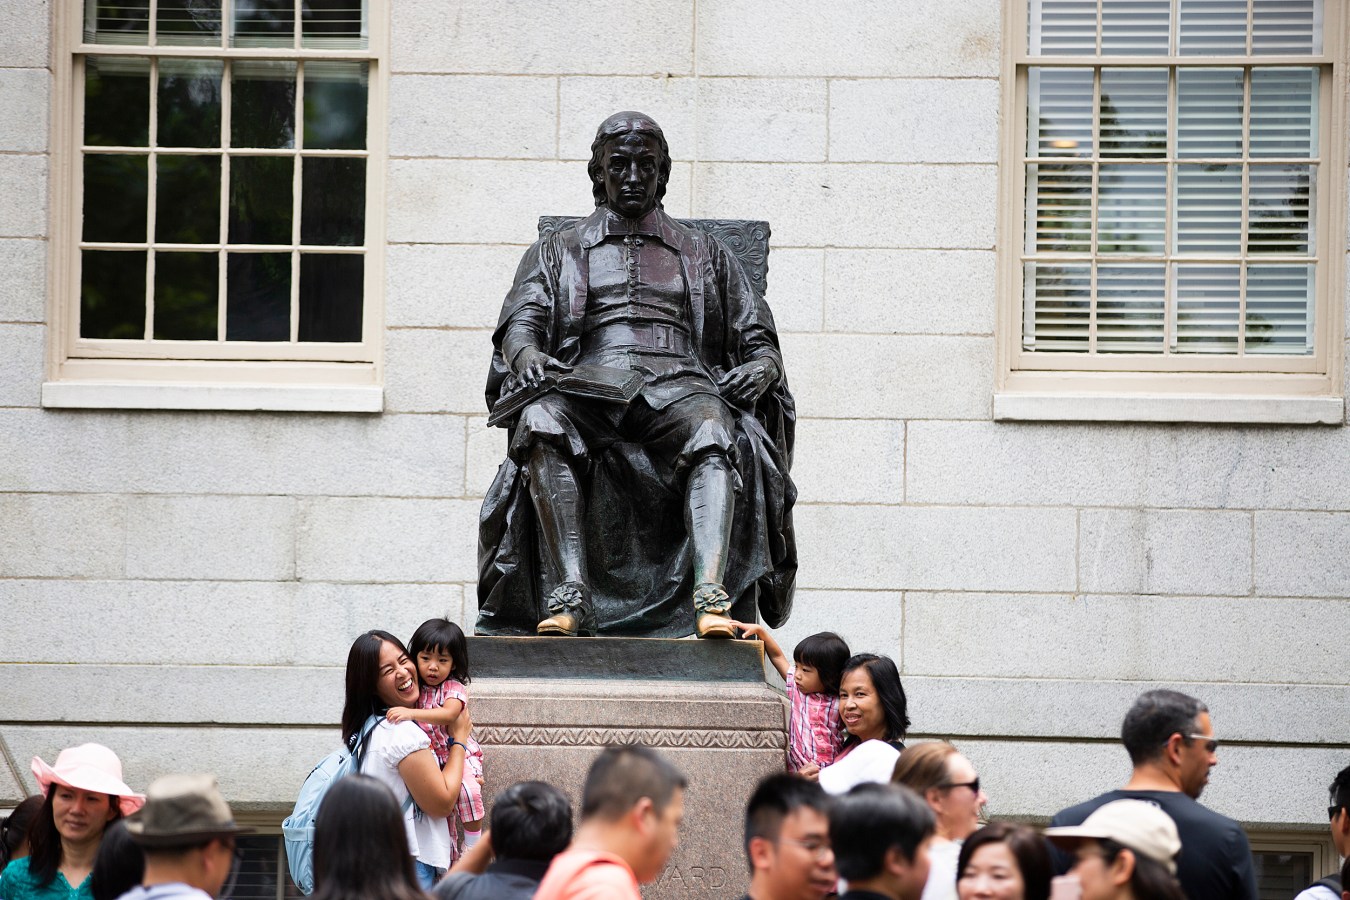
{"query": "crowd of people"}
(859, 814)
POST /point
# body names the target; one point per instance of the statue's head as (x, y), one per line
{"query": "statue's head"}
(630, 164)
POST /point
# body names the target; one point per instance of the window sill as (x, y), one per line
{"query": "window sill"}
(250, 397)
(1216, 408)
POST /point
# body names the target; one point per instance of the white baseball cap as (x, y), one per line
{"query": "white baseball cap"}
(1137, 824)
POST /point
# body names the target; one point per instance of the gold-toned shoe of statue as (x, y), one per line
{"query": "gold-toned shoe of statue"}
(571, 612)
(711, 605)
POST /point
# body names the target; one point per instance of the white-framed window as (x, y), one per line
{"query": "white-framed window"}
(1172, 241)
(216, 206)
(1286, 862)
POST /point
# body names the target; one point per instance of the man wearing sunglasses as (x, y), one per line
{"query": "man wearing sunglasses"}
(1331, 887)
(1171, 743)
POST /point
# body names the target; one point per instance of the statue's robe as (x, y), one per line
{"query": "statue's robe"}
(639, 557)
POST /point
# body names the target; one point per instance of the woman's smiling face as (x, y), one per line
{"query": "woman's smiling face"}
(860, 707)
(396, 684)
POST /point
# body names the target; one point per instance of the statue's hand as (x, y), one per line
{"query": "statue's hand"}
(530, 365)
(747, 383)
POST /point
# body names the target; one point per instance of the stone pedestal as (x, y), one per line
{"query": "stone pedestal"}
(544, 707)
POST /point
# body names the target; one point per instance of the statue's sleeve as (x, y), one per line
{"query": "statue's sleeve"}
(750, 326)
(528, 307)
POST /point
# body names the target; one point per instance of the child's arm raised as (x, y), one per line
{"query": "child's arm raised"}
(444, 716)
(771, 648)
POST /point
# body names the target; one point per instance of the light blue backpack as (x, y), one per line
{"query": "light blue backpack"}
(298, 828)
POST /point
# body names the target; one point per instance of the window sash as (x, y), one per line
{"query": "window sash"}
(299, 51)
(1019, 253)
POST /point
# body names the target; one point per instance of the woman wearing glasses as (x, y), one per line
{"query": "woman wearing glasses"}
(947, 782)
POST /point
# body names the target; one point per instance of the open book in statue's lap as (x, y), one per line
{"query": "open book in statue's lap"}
(661, 515)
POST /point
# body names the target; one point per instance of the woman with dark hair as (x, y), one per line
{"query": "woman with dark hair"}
(119, 865)
(361, 846)
(872, 702)
(873, 709)
(84, 792)
(14, 829)
(398, 754)
(1126, 850)
(1004, 861)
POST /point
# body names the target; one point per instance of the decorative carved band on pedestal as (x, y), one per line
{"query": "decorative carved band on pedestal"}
(702, 738)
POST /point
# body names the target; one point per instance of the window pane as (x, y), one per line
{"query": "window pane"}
(181, 23)
(189, 102)
(1280, 309)
(117, 22)
(335, 105)
(260, 199)
(1058, 307)
(255, 875)
(1282, 874)
(186, 287)
(1059, 113)
(112, 294)
(187, 200)
(115, 188)
(1136, 27)
(262, 104)
(1213, 27)
(334, 23)
(1207, 309)
(1132, 209)
(1059, 208)
(1063, 28)
(1209, 209)
(1134, 112)
(117, 101)
(258, 297)
(1281, 200)
(263, 23)
(1209, 112)
(1286, 27)
(1284, 112)
(330, 297)
(333, 201)
(1131, 306)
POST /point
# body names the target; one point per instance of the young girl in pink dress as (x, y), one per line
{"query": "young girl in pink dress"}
(441, 654)
(814, 730)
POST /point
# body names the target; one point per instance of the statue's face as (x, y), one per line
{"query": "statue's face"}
(632, 172)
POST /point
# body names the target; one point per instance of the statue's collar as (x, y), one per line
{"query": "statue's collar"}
(604, 223)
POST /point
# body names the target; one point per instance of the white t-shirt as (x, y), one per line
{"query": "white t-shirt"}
(1318, 892)
(942, 856)
(428, 836)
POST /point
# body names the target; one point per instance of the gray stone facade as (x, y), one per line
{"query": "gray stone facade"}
(183, 586)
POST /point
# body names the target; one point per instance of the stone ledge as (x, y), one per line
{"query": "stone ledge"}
(647, 659)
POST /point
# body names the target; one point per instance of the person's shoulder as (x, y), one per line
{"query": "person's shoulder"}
(1318, 892)
(14, 875)
(1186, 809)
(1074, 815)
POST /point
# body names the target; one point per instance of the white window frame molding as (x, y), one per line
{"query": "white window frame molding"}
(1057, 390)
(123, 380)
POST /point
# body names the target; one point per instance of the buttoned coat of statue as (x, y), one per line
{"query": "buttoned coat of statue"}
(667, 515)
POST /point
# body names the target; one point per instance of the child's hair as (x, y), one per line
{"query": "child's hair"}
(444, 636)
(826, 652)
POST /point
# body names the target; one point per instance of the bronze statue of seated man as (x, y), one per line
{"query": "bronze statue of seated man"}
(632, 289)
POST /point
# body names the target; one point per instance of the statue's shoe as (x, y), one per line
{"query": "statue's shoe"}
(572, 613)
(711, 605)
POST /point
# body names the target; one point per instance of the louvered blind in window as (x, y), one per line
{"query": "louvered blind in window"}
(1172, 171)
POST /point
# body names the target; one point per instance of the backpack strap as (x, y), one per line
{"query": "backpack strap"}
(359, 752)
(1331, 883)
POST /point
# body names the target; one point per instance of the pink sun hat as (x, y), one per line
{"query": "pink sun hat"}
(89, 767)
